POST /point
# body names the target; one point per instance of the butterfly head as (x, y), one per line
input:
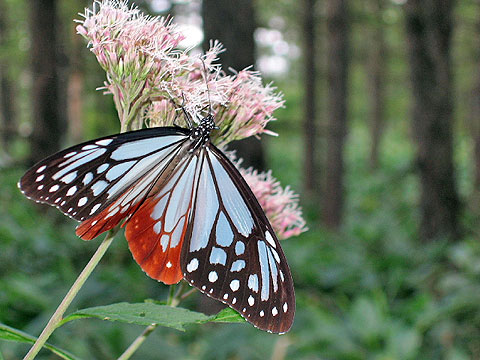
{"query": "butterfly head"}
(203, 130)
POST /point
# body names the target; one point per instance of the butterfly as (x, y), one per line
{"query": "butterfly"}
(187, 211)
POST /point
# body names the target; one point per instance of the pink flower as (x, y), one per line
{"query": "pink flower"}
(280, 204)
(135, 51)
(249, 107)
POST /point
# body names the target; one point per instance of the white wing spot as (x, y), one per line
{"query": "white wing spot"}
(269, 238)
(104, 142)
(102, 168)
(94, 222)
(225, 297)
(169, 265)
(235, 285)
(40, 178)
(72, 191)
(238, 265)
(54, 188)
(218, 256)
(40, 187)
(157, 228)
(251, 300)
(95, 208)
(98, 187)
(275, 255)
(262, 313)
(112, 212)
(88, 177)
(212, 277)
(204, 287)
(82, 201)
(239, 248)
(244, 309)
(192, 265)
(57, 200)
(234, 301)
(41, 168)
(67, 179)
(70, 154)
(89, 147)
(253, 282)
(285, 307)
(274, 311)
(211, 291)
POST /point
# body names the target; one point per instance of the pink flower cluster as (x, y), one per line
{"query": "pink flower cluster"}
(280, 204)
(155, 83)
(136, 52)
(248, 109)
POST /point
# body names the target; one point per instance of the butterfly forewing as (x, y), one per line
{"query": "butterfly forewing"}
(231, 252)
(84, 180)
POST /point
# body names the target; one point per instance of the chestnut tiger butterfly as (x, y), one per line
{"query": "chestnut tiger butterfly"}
(188, 213)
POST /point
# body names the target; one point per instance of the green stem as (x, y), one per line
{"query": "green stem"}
(137, 342)
(67, 300)
(174, 298)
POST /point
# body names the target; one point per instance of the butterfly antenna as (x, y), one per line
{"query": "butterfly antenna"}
(206, 85)
(210, 113)
(185, 113)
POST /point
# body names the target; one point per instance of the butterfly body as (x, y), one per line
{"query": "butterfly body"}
(187, 212)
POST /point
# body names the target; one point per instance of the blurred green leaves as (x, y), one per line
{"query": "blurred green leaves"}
(10, 334)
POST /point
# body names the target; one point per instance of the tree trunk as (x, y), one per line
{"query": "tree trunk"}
(474, 121)
(429, 28)
(337, 75)
(232, 22)
(310, 183)
(7, 96)
(75, 91)
(377, 66)
(46, 124)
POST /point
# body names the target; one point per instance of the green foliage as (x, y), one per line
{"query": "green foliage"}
(150, 313)
(10, 334)
(372, 291)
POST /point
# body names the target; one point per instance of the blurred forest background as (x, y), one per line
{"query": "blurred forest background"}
(380, 136)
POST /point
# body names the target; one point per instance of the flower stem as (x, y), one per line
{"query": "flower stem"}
(67, 300)
(137, 342)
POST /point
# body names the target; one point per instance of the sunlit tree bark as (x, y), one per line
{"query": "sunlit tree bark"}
(377, 67)
(429, 30)
(474, 121)
(46, 124)
(7, 97)
(75, 91)
(310, 182)
(337, 73)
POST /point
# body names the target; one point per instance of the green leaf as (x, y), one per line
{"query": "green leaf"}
(10, 334)
(228, 315)
(141, 314)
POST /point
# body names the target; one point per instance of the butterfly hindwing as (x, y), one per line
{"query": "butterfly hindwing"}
(85, 179)
(231, 252)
